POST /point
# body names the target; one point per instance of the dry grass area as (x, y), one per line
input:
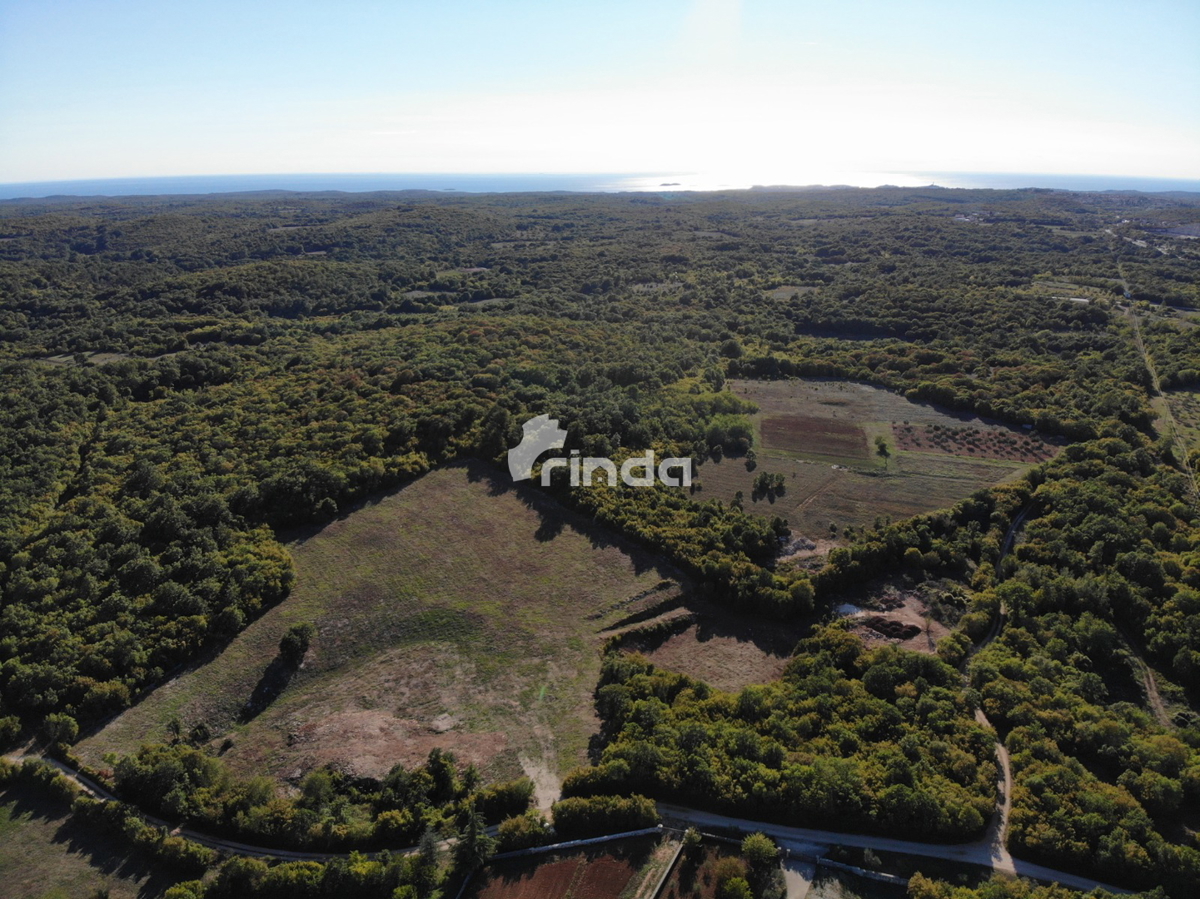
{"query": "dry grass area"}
(727, 661)
(43, 855)
(460, 612)
(1066, 289)
(820, 435)
(725, 650)
(817, 495)
(616, 870)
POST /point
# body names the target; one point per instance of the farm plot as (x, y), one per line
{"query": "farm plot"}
(815, 436)
(976, 443)
(821, 436)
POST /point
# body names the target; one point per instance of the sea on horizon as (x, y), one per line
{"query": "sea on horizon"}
(587, 183)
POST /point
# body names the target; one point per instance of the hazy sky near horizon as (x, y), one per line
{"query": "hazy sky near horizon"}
(770, 90)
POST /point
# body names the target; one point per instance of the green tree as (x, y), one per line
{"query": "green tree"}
(882, 451)
(294, 644)
(474, 846)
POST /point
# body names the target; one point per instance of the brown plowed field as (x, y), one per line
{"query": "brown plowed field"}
(820, 436)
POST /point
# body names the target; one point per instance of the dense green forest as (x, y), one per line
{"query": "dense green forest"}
(187, 382)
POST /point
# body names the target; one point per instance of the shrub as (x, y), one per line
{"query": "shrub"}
(503, 800)
(578, 818)
(294, 644)
(10, 729)
(523, 832)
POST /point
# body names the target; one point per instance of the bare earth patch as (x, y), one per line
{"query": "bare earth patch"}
(897, 617)
(806, 551)
(380, 740)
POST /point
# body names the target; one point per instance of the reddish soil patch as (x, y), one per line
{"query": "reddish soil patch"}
(548, 879)
(980, 443)
(806, 434)
(601, 872)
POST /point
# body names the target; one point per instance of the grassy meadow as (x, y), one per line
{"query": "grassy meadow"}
(460, 612)
(44, 855)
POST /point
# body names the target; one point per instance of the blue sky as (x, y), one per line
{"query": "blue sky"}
(779, 91)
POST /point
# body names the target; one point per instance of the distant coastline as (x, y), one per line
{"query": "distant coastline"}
(591, 183)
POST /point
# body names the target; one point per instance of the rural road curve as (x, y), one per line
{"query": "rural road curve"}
(95, 790)
(982, 852)
(996, 837)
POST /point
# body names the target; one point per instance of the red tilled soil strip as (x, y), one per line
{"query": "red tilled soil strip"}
(582, 875)
(549, 879)
(806, 434)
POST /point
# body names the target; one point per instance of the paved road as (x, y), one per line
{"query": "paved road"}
(798, 838)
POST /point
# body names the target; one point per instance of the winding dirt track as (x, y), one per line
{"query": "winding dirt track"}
(997, 833)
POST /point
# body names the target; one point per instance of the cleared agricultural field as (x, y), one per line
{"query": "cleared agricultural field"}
(44, 855)
(821, 436)
(461, 612)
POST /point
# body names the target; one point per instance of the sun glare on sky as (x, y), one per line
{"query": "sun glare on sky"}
(756, 91)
